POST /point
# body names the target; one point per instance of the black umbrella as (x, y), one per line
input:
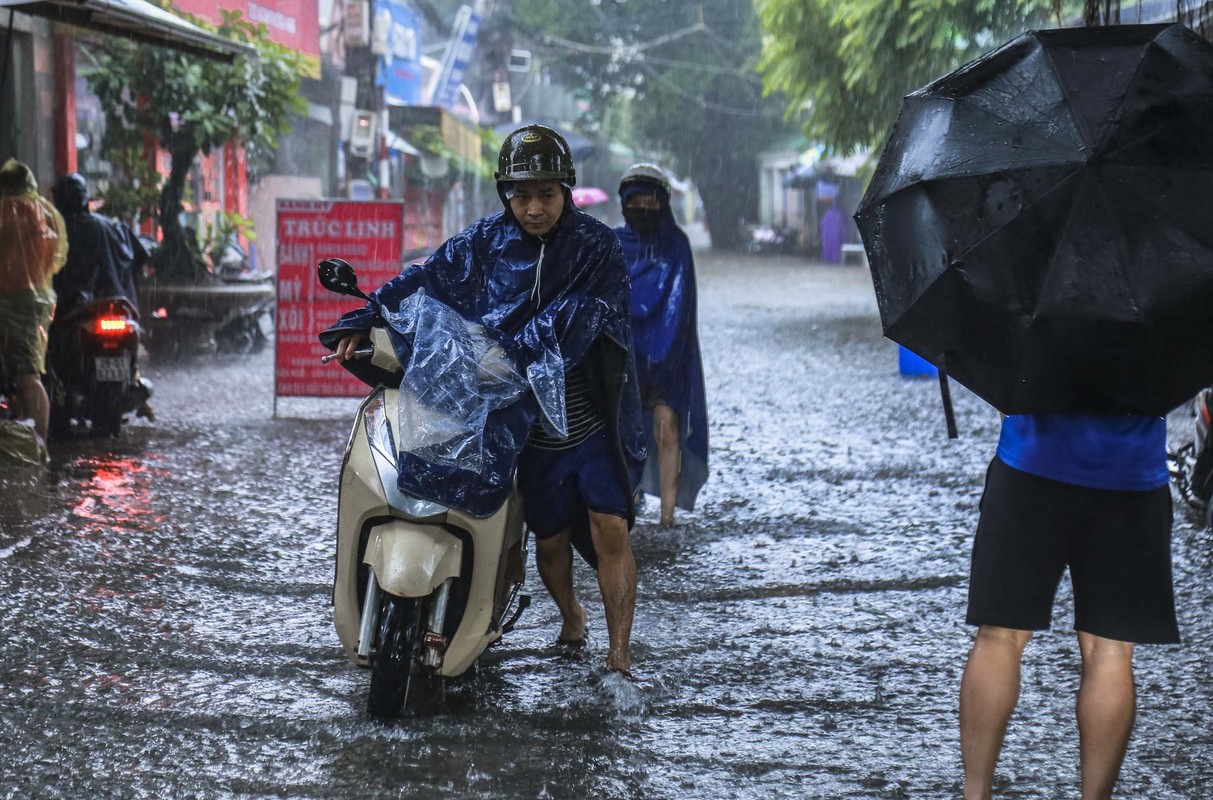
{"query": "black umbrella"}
(1040, 224)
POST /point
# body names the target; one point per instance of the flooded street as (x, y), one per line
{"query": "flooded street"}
(167, 625)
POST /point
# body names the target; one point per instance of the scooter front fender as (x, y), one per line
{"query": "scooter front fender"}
(412, 560)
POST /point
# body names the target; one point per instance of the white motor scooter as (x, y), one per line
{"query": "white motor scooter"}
(420, 589)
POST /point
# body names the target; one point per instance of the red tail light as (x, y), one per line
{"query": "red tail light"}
(111, 326)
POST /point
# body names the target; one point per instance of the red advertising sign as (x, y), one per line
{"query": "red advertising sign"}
(291, 23)
(368, 234)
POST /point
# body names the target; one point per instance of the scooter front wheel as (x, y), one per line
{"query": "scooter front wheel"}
(395, 662)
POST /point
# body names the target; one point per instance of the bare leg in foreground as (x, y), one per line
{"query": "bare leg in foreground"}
(1107, 707)
(617, 582)
(34, 402)
(554, 558)
(989, 691)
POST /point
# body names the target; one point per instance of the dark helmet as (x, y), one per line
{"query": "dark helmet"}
(536, 153)
(70, 193)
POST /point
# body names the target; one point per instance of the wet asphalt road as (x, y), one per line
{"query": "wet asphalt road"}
(167, 629)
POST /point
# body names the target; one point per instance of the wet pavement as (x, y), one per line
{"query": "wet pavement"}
(167, 628)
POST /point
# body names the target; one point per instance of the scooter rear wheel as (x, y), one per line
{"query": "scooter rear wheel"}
(394, 664)
(107, 410)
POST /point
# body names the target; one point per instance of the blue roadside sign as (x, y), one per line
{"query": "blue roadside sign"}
(458, 54)
(399, 70)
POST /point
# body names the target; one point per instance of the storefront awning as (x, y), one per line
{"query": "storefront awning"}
(138, 20)
(397, 143)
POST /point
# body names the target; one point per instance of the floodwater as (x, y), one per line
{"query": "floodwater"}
(167, 628)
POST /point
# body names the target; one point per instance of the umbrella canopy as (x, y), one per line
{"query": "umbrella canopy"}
(584, 196)
(1039, 223)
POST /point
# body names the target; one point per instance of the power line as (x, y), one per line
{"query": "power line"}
(703, 102)
(609, 50)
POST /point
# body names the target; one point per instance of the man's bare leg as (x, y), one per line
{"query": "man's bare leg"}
(669, 459)
(554, 559)
(989, 691)
(617, 581)
(1107, 707)
(34, 402)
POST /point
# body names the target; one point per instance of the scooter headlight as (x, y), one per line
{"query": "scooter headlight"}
(378, 431)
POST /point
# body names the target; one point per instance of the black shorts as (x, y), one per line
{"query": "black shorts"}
(1117, 545)
(559, 486)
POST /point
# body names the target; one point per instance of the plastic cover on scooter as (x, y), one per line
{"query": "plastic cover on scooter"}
(457, 373)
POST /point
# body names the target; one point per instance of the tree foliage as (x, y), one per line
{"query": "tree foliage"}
(854, 60)
(675, 79)
(190, 106)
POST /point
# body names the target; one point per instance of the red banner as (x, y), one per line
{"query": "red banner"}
(368, 234)
(291, 23)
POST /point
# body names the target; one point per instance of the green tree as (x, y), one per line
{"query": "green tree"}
(190, 106)
(675, 79)
(853, 61)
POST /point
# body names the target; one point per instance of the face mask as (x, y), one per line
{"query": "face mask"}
(645, 221)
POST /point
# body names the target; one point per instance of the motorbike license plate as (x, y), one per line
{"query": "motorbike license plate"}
(112, 370)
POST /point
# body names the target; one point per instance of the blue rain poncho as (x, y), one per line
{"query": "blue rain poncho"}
(666, 339)
(485, 329)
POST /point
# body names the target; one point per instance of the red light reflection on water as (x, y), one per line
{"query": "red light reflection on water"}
(119, 539)
(118, 493)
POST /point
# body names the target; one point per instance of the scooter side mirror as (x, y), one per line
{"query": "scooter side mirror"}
(338, 276)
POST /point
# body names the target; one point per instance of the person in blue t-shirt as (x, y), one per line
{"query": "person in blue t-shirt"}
(1088, 492)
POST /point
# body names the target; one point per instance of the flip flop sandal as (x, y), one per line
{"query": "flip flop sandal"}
(570, 645)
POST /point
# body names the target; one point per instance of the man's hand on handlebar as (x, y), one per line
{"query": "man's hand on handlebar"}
(347, 346)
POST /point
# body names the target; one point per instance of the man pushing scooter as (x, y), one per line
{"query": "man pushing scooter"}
(549, 284)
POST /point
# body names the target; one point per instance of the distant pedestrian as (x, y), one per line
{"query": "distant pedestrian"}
(33, 247)
(665, 333)
(1084, 492)
(831, 235)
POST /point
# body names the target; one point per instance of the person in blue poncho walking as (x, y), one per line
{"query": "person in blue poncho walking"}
(666, 339)
(549, 285)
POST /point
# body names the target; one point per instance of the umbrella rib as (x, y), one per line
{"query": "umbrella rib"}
(1145, 136)
(1052, 189)
(1205, 237)
(1087, 146)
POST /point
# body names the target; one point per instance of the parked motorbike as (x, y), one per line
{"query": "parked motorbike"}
(228, 316)
(1191, 466)
(420, 589)
(93, 377)
(767, 239)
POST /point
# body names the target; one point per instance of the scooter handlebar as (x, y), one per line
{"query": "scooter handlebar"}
(361, 352)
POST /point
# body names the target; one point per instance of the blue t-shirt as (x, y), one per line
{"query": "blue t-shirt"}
(1099, 451)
